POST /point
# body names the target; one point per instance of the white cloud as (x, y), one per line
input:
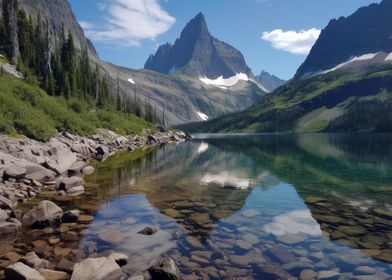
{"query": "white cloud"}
(127, 22)
(293, 42)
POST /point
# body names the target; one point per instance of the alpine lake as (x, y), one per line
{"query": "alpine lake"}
(266, 206)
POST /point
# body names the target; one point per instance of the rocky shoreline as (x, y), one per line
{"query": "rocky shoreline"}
(29, 167)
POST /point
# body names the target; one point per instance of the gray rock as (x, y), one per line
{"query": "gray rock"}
(3, 215)
(76, 168)
(20, 271)
(5, 203)
(7, 228)
(88, 170)
(61, 158)
(44, 214)
(97, 269)
(120, 259)
(39, 173)
(74, 191)
(165, 269)
(15, 172)
(67, 183)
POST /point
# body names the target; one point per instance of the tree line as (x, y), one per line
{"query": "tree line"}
(57, 66)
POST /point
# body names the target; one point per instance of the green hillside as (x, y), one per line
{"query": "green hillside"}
(333, 102)
(27, 109)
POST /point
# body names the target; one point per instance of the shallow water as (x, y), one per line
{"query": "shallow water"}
(245, 207)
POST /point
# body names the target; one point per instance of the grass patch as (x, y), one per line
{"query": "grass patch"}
(28, 110)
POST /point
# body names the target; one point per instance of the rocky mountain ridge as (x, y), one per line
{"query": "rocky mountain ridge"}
(198, 54)
(367, 31)
(269, 81)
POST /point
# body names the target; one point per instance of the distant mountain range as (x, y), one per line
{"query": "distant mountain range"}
(345, 83)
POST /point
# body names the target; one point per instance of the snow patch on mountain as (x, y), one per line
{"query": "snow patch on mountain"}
(225, 83)
(203, 116)
(131, 81)
(389, 57)
(368, 56)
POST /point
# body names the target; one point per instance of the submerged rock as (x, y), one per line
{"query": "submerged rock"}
(165, 269)
(148, 231)
(97, 269)
(20, 271)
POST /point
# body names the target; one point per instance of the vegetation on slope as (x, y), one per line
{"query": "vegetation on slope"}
(28, 110)
(333, 102)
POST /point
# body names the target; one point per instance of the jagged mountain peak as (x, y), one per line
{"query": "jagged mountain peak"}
(197, 53)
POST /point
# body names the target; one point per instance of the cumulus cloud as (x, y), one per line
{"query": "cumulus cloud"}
(127, 22)
(293, 42)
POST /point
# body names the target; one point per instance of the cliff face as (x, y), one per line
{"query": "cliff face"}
(368, 30)
(58, 13)
(197, 53)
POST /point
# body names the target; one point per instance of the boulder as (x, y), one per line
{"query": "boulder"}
(7, 228)
(14, 171)
(70, 216)
(151, 139)
(39, 173)
(5, 203)
(31, 259)
(76, 168)
(20, 271)
(67, 183)
(61, 158)
(97, 269)
(44, 214)
(165, 269)
(3, 215)
(74, 191)
(88, 170)
(102, 153)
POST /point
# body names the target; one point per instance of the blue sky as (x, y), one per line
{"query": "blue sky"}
(126, 32)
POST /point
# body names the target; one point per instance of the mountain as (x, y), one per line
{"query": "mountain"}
(362, 37)
(180, 98)
(270, 82)
(344, 85)
(58, 13)
(198, 54)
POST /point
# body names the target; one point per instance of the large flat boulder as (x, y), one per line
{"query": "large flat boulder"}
(65, 184)
(60, 158)
(20, 271)
(97, 269)
(44, 214)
